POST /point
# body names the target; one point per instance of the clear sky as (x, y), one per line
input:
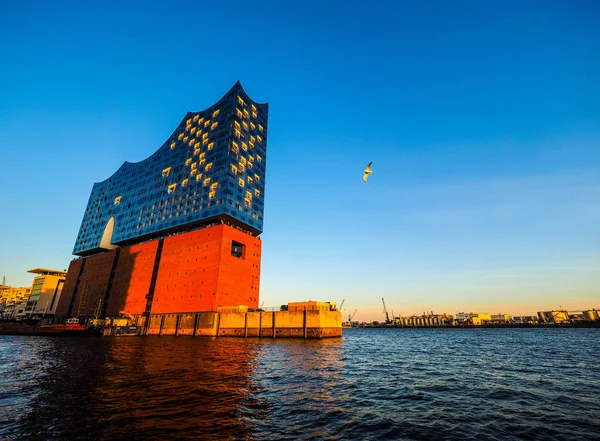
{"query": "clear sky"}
(482, 120)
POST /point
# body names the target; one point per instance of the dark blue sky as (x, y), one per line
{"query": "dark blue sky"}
(482, 120)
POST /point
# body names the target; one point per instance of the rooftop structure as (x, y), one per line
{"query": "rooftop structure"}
(212, 168)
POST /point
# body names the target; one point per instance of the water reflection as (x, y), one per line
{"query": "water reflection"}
(150, 388)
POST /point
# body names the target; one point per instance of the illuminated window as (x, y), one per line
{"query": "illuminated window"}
(195, 118)
(193, 165)
(241, 182)
(257, 192)
(238, 133)
(193, 172)
(246, 114)
(214, 186)
(243, 160)
(193, 130)
(252, 139)
(199, 177)
(211, 145)
(197, 151)
(214, 126)
(117, 200)
(202, 161)
(248, 195)
(256, 177)
(260, 128)
(208, 167)
(186, 139)
(250, 165)
(212, 194)
(259, 138)
(184, 183)
(166, 172)
(252, 125)
(189, 161)
(236, 125)
(245, 125)
(248, 202)
(250, 180)
(245, 146)
(192, 141)
(173, 145)
(239, 113)
(251, 158)
(206, 123)
(234, 146)
(200, 120)
(242, 167)
(205, 141)
(216, 112)
(180, 136)
(241, 101)
(253, 107)
(188, 122)
(234, 169)
(251, 144)
(172, 188)
(206, 182)
(202, 155)
(254, 115)
(205, 136)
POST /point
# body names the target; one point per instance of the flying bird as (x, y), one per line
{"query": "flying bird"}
(367, 172)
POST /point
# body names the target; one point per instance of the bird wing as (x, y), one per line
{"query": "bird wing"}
(369, 166)
(365, 178)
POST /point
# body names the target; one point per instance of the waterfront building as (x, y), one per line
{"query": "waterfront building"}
(472, 318)
(179, 231)
(525, 319)
(553, 316)
(10, 294)
(591, 314)
(45, 290)
(501, 319)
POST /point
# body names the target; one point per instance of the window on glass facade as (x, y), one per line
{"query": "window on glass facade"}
(166, 172)
(117, 200)
(172, 188)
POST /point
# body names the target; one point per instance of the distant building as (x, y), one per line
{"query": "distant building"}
(591, 315)
(13, 293)
(501, 319)
(46, 288)
(553, 316)
(525, 319)
(472, 318)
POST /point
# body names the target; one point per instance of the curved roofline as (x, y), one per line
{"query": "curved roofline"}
(126, 164)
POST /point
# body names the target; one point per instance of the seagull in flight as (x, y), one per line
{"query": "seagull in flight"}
(367, 172)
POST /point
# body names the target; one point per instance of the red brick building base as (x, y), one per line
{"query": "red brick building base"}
(188, 272)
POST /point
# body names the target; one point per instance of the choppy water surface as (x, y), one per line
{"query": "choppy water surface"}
(372, 384)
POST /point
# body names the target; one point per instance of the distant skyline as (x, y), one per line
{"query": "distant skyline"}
(482, 120)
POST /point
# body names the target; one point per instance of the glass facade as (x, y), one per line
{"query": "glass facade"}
(211, 168)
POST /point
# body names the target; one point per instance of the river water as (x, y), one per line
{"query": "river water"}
(372, 384)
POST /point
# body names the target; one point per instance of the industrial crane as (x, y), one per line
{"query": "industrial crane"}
(351, 316)
(341, 304)
(387, 316)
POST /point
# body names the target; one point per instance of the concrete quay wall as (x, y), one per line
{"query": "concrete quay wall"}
(277, 324)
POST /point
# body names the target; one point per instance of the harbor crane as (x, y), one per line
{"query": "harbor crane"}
(341, 304)
(387, 316)
(351, 316)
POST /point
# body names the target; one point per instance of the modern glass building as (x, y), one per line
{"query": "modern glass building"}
(212, 168)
